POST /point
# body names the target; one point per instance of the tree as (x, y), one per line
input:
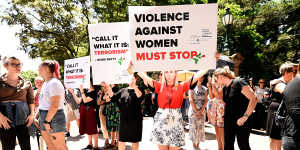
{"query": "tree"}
(51, 29)
(265, 32)
(29, 76)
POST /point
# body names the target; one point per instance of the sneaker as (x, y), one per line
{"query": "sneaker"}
(96, 148)
(67, 134)
(88, 147)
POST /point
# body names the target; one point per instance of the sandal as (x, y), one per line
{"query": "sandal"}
(106, 144)
(88, 147)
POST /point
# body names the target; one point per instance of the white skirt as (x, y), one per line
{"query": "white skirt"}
(168, 128)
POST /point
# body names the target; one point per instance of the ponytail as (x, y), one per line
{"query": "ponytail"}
(53, 66)
(56, 69)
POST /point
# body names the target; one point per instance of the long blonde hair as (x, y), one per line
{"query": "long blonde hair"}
(163, 81)
(225, 71)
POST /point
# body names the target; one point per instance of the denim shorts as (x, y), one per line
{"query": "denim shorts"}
(58, 122)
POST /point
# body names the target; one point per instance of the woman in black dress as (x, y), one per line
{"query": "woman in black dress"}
(131, 118)
(240, 102)
(277, 87)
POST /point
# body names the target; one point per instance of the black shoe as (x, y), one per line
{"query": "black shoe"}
(88, 147)
(67, 134)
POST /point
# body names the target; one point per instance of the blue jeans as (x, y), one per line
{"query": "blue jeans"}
(17, 113)
(288, 143)
(58, 122)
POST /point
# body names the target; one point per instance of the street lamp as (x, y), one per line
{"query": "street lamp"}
(227, 20)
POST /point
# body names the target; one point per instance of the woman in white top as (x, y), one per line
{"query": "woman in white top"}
(51, 101)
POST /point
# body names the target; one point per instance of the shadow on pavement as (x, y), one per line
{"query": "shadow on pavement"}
(111, 148)
(210, 136)
(75, 138)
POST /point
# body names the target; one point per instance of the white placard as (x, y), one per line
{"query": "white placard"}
(110, 55)
(180, 37)
(77, 72)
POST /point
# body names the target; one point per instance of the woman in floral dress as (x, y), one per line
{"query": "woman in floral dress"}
(198, 101)
(216, 112)
(112, 113)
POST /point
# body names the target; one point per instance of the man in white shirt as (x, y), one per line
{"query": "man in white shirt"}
(260, 110)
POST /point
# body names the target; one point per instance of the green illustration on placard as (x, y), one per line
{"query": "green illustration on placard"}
(120, 61)
(83, 79)
(198, 57)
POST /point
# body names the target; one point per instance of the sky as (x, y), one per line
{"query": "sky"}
(9, 44)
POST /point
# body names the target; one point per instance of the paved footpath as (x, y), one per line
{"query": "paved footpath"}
(75, 142)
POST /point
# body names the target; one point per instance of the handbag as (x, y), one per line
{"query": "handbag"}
(281, 114)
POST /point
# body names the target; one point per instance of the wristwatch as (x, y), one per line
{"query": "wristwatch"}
(46, 122)
(246, 115)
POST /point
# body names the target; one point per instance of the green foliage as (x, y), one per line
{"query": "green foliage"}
(265, 32)
(50, 29)
(29, 76)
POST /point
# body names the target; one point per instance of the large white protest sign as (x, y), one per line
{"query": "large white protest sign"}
(110, 55)
(181, 37)
(77, 72)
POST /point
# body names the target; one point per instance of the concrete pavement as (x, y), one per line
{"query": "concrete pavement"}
(77, 142)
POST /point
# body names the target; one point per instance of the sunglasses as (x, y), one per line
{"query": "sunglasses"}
(261, 82)
(16, 65)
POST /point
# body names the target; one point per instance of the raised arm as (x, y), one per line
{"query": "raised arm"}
(84, 98)
(147, 80)
(76, 98)
(198, 75)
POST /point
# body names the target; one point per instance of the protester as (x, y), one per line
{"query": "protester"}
(277, 88)
(16, 106)
(102, 102)
(251, 84)
(260, 110)
(131, 118)
(38, 82)
(72, 97)
(112, 113)
(88, 122)
(240, 102)
(51, 102)
(35, 130)
(168, 132)
(216, 111)
(291, 128)
(198, 101)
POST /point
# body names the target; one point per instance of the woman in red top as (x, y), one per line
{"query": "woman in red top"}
(168, 132)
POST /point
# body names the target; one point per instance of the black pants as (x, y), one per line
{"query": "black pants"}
(260, 116)
(232, 130)
(8, 138)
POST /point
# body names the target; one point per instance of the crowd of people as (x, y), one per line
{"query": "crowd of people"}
(226, 100)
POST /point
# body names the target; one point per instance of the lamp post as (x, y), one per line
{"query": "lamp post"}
(227, 20)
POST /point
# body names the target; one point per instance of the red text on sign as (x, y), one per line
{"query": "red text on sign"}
(75, 77)
(163, 55)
